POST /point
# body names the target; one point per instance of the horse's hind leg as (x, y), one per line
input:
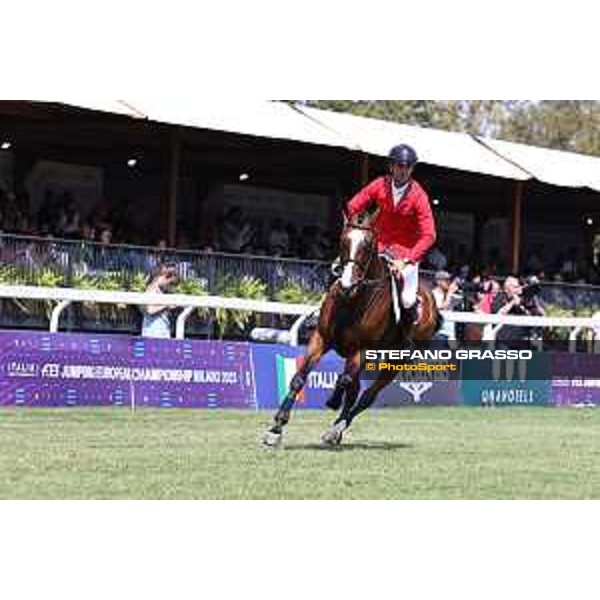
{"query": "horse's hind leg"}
(366, 399)
(342, 384)
(316, 349)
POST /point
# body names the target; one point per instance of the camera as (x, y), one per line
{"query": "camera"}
(531, 288)
(469, 288)
(467, 292)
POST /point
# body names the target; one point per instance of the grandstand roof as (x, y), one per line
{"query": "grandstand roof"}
(555, 167)
(118, 107)
(262, 118)
(435, 147)
(280, 120)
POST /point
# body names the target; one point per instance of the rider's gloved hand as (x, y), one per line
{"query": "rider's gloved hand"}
(399, 264)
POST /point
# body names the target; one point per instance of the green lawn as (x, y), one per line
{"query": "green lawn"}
(401, 453)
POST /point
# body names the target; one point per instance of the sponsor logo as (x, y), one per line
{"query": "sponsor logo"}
(507, 396)
(416, 389)
(21, 369)
(51, 371)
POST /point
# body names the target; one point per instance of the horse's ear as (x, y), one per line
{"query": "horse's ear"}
(345, 216)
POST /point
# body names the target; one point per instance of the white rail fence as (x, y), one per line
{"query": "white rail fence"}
(66, 296)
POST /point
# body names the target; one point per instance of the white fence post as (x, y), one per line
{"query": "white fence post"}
(181, 319)
(56, 312)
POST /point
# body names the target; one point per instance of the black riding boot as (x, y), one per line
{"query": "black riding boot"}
(410, 315)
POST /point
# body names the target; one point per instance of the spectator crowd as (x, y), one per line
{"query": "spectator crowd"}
(59, 217)
(566, 267)
(276, 237)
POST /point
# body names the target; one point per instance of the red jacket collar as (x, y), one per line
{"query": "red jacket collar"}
(390, 194)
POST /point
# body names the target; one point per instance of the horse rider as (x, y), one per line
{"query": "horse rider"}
(404, 224)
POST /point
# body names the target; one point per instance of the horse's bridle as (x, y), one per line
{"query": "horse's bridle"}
(362, 280)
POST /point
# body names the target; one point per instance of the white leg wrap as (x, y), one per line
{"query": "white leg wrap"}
(410, 274)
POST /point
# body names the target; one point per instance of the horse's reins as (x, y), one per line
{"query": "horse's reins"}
(363, 279)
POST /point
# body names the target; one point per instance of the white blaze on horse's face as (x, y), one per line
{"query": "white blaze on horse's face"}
(356, 237)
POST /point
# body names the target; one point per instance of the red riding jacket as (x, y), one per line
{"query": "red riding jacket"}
(407, 230)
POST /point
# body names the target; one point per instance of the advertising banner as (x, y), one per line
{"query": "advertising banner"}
(507, 382)
(274, 367)
(575, 392)
(576, 379)
(485, 392)
(42, 369)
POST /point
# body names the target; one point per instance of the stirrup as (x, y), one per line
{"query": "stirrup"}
(415, 312)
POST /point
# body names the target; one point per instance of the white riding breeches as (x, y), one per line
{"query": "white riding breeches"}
(410, 277)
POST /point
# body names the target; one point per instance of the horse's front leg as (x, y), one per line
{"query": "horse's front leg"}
(316, 348)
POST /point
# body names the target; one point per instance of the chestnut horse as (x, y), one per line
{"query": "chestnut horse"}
(357, 310)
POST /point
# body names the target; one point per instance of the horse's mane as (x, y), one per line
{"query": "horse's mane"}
(365, 219)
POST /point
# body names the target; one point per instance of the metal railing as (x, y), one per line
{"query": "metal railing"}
(29, 258)
(47, 262)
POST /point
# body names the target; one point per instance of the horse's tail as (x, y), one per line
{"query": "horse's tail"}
(439, 319)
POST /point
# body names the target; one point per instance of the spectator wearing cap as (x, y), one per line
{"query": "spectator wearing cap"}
(444, 290)
(445, 297)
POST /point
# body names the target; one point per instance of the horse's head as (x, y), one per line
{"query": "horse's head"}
(358, 248)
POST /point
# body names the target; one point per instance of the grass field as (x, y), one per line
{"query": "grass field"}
(402, 453)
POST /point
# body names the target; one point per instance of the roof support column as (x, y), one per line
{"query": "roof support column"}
(364, 169)
(174, 163)
(516, 226)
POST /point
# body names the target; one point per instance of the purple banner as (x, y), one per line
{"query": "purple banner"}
(575, 365)
(576, 381)
(38, 369)
(576, 392)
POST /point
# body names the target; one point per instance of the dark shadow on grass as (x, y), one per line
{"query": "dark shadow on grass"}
(343, 447)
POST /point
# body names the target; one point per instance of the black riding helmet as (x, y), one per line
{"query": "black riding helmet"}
(403, 154)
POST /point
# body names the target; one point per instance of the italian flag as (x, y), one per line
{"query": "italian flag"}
(286, 368)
